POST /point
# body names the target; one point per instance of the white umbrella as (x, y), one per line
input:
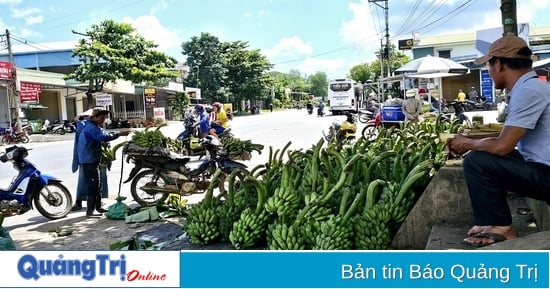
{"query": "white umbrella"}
(432, 67)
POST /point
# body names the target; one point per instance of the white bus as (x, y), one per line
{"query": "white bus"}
(341, 96)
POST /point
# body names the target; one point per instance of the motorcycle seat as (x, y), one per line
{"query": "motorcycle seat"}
(182, 160)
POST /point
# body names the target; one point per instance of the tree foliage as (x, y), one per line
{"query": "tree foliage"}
(371, 71)
(318, 84)
(205, 60)
(114, 51)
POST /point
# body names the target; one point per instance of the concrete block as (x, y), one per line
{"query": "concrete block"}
(535, 241)
(445, 200)
(541, 212)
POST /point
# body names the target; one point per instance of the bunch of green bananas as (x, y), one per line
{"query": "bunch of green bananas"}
(371, 229)
(284, 202)
(202, 224)
(227, 216)
(148, 138)
(249, 229)
(174, 145)
(335, 234)
(280, 236)
(252, 224)
(108, 155)
(234, 144)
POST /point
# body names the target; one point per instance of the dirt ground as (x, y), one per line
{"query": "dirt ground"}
(85, 233)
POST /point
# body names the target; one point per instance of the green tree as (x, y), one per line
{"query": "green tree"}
(362, 73)
(113, 51)
(245, 70)
(205, 60)
(181, 102)
(318, 84)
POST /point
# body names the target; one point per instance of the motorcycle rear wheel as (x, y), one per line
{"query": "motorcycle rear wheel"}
(60, 131)
(144, 198)
(54, 201)
(370, 132)
(5, 140)
(24, 139)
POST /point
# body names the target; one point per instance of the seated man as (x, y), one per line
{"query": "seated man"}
(219, 124)
(518, 160)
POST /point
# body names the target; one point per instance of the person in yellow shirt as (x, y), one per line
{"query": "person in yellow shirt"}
(461, 96)
(219, 124)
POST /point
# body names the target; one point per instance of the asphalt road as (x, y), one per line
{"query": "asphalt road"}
(53, 154)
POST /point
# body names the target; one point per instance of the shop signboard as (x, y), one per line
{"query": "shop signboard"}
(29, 92)
(5, 70)
(103, 99)
(150, 97)
(487, 86)
(158, 112)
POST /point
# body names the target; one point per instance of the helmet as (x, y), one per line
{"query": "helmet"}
(199, 107)
(217, 104)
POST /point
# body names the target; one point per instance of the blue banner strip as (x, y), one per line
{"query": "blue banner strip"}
(364, 269)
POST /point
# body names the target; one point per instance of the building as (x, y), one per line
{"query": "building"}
(463, 48)
(44, 65)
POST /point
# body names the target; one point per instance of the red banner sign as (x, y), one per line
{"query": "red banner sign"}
(30, 92)
(5, 70)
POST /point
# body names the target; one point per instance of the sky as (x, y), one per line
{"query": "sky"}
(307, 35)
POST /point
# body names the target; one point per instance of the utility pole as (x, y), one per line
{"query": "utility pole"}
(13, 91)
(385, 52)
(509, 17)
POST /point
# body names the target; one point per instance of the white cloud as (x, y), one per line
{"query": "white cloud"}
(332, 67)
(34, 20)
(289, 46)
(24, 12)
(150, 28)
(160, 6)
(360, 31)
(25, 33)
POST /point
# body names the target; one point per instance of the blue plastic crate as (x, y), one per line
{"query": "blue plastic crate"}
(392, 113)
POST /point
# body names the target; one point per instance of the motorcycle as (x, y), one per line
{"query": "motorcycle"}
(55, 128)
(69, 126)
(309, 108)
(320, 111)
(189, 137)
(342, 133)
(365, 115)
(155, 176)
(370, 131)
(51, 198)
(11, 137)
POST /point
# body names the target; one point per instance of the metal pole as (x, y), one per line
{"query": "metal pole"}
(13, 89)
(509, 17)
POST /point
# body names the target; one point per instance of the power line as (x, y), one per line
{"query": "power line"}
(456, 10)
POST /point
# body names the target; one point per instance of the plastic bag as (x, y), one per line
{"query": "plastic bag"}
(6, 242)
(117, 211)
(502, 110)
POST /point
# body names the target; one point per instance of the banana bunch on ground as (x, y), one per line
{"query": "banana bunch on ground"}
(148, 138)
(108, 155)
(202, 222)
(371, 232)
(281, 236)
(252, 224)
(335, 234)
(236, 145)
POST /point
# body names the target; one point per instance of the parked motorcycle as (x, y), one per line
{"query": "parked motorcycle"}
(69, 126)
(156, 176)
(342, 133)
(365, 115)
(370, 131)
(55, 128)
(12, 137)
(51, 198)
